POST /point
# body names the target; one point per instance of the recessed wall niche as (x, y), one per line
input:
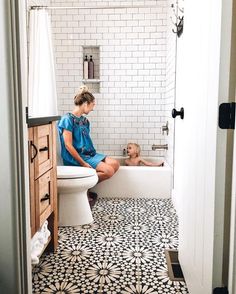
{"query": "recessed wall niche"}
(92, 83)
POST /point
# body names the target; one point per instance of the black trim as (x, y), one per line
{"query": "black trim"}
(37, 121)
(221, 290)
(227, 115)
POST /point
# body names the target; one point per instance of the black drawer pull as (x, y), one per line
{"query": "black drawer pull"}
(35, 151)
(43, 149)
(46, 197)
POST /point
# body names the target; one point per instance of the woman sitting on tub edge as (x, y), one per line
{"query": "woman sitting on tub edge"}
(133, 151)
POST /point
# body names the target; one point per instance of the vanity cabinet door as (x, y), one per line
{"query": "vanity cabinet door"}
(43, 143)
(44, 197)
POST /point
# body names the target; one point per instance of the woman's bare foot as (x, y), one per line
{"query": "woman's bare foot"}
(92, 198)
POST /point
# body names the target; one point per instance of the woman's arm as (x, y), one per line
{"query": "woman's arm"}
(67, 135)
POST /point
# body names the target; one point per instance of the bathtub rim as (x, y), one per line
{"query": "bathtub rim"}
(122, 158)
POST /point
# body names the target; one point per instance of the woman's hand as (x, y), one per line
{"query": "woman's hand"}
(85, 164)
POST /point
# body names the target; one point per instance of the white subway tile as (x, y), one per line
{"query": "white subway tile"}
(137, 80)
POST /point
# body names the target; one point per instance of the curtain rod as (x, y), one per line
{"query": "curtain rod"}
(90, 7)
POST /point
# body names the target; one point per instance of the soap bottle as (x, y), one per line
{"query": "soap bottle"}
(86, 67)
(91, 68)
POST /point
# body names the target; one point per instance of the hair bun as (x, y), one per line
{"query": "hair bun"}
(83, 89)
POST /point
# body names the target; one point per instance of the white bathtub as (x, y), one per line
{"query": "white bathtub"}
(137, 181)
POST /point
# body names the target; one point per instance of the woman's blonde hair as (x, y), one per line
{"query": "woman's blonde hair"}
(83, 96)
(136, 147)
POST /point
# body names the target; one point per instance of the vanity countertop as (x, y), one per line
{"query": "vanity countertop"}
(37, 121)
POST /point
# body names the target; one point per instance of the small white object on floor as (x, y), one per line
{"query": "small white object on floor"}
(38, 241)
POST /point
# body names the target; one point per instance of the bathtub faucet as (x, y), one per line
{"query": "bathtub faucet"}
(124, 152)
(155, 147)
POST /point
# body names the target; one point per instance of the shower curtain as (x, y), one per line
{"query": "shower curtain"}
(42, 81)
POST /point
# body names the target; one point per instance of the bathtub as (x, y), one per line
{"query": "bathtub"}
(137, 182)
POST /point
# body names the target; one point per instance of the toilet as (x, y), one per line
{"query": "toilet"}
(73, 183)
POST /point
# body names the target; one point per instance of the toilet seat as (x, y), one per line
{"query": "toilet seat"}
(74, 172)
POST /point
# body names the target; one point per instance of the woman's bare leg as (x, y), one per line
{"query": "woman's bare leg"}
(113, 162)
(106, 170)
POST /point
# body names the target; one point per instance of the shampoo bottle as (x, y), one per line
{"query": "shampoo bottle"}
(86, 68)
(91, 68)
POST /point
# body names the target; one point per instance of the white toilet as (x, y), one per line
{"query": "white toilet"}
(73, 183)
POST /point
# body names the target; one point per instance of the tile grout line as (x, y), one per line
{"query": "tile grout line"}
(137, 243)
(131, 221)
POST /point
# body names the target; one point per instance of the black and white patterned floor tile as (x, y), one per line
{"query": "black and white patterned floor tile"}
(122, 252)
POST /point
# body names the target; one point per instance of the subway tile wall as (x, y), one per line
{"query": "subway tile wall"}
(38, 3)
(137, 69)
(130, 105)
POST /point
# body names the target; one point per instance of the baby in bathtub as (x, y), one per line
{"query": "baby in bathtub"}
(133, 151)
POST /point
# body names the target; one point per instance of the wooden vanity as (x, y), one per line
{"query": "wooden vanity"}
(43, 176)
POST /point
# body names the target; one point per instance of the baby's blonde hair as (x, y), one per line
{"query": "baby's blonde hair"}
(136, 146)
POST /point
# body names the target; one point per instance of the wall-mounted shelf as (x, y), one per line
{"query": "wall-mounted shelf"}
(93, 84)
(91, 81)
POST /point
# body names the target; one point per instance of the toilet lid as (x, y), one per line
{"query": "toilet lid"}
(74, 172)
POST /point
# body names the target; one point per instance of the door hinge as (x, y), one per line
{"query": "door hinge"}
(227, 115)
(221, 290)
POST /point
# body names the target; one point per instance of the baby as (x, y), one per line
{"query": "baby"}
(133, 151)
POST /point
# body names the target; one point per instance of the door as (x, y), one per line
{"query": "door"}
(232, 259)
(15, 277)
(200, 157)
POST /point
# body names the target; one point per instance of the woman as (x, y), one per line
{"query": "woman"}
(77, 146)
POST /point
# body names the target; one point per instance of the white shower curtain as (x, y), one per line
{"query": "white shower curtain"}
(42, 81)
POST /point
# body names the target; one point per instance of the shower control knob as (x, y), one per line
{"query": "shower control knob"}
(176, 113)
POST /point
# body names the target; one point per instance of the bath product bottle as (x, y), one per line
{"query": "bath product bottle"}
(91, 68)
(86, 68)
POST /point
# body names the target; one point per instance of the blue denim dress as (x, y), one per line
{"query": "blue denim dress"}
(80, 128)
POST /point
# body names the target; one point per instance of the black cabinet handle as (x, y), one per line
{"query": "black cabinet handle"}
(43, 149)
(46, 197)
(176, 113)
(35, 149)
